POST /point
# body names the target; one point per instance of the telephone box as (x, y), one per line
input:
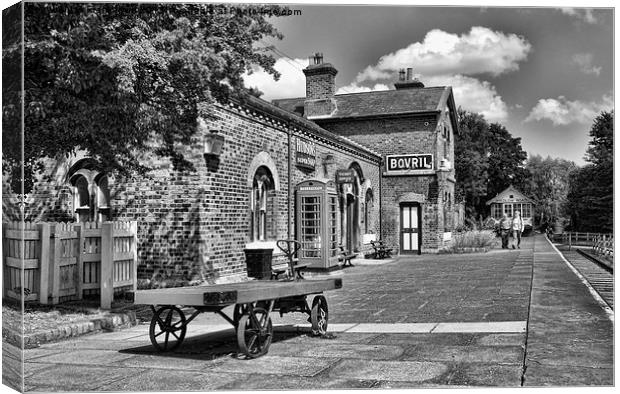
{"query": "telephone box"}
(316, 216)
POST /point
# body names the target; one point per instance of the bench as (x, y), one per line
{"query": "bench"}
(380, 250)
(345, 256)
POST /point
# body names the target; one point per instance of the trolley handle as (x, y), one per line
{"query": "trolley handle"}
(289, 246)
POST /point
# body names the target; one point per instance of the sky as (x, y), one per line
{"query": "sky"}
(544, 73)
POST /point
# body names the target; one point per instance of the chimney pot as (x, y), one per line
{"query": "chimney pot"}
(317, 58)
(409, 73)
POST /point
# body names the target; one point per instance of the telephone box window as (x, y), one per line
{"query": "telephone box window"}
(317, 218)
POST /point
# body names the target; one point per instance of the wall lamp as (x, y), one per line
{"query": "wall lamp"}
(213, 143)
(328, 159)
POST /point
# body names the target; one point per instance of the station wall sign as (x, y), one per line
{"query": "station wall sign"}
(305, 154)
(345, 176)
(408, 164)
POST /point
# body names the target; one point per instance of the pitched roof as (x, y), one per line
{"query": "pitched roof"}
(386, 102)
(303, 123)
(510, 194)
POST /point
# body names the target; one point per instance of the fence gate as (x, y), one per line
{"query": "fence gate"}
(66, 252)
(91, 257)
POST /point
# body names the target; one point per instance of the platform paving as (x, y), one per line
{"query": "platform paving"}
(570, 333)
(417, 322)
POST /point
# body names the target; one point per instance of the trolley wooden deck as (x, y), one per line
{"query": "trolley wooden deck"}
(253, 301)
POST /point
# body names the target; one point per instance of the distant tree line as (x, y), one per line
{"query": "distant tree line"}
(488, 159)
(590, 199)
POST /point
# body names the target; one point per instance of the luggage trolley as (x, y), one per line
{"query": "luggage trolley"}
(253, 302)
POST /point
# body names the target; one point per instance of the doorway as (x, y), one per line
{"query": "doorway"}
(352, 222)
(410, 226)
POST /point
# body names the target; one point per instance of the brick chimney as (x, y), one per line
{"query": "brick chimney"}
(406, 81)
(320, 87)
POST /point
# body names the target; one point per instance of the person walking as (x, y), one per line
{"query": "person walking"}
(505, 225)
(517, 229)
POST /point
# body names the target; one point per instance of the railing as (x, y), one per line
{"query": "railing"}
(575, 238)
(62, 261)
(602, 244)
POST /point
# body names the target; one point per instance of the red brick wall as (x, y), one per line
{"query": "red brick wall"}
(195, 226)
(403, 136)
(320, 86)
(342, 161)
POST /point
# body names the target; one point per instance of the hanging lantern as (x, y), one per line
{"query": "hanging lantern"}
(213, 143)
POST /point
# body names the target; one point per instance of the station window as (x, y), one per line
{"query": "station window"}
(496, 211)
(367, 211)
(263, 205)
(527, 210)
(91, 192)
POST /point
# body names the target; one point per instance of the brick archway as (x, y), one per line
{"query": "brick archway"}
(263, 159)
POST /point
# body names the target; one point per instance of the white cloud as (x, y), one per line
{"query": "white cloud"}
(355, 88)
(479, 51)
(292, 82)
(474, 95)
(562, 111)
(584, 61)
(583, 14)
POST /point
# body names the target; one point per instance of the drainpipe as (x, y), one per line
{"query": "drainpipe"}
(380, 199)
(290, 185)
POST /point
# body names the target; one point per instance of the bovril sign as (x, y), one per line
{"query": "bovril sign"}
(408, 164)
(305, 154)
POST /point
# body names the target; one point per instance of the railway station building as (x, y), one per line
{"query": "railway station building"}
(325, 169)
(412, 127)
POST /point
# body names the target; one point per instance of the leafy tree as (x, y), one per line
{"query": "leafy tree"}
(590, 196)
(470, 163)
(548, 186)
(601, 149)
(506, 161)
(120, 80)
(487, 160)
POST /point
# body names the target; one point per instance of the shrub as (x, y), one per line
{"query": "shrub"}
(473, 239)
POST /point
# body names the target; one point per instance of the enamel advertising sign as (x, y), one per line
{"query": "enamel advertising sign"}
(408, 164)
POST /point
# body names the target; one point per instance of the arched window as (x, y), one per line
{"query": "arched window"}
(368, 211)
(82, 199)
(90, 190)
(103, 198)
(263, 205)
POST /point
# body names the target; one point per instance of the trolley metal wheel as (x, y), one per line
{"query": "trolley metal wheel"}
(237, 313)
(319, 315)
(254, 332)
(168, 327)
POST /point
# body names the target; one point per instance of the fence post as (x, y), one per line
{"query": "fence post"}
(107, 265)
(569, 240)
(55, 264)
(44, 262)
(79, 259)
(5, 252)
